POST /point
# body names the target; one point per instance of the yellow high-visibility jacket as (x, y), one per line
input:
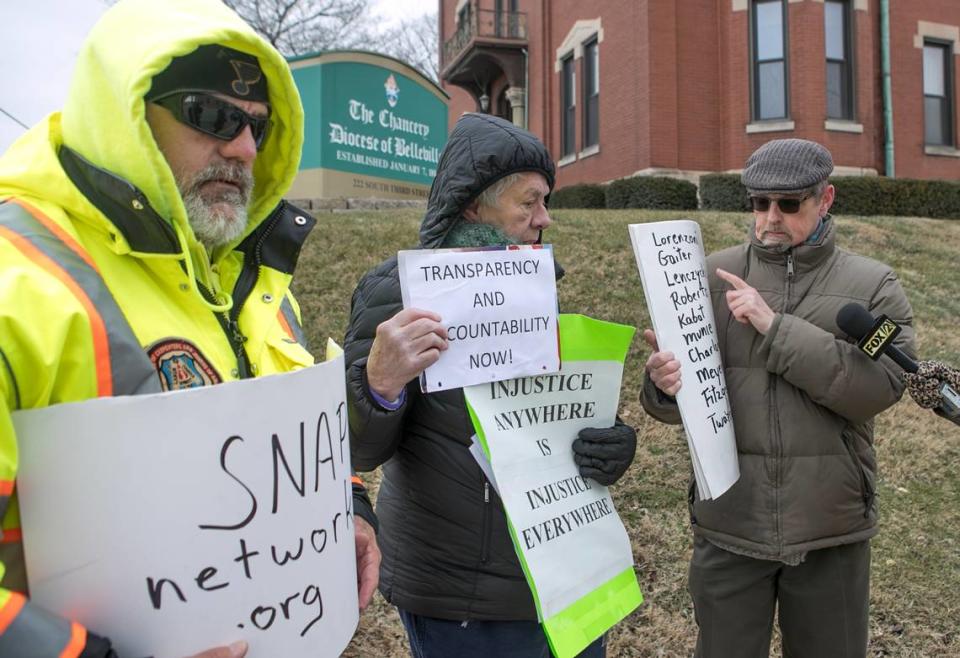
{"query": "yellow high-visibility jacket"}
(104, 289)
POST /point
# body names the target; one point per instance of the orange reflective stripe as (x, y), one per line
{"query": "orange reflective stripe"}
(10, 611)
(356, 480)
(6, 487)
(285, 325)
(11, 535)
(291, 322)
(55, 228)
(101, 347)
(78, 640)
(131, 372)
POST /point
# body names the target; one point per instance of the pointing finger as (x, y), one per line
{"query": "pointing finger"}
(732, 279)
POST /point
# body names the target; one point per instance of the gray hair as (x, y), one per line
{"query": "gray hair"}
(490, 196)
(817, 190)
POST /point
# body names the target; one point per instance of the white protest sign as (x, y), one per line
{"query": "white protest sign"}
(673, 271)
(499, 306)
(570, 540)
(566, 525)
(180, 521)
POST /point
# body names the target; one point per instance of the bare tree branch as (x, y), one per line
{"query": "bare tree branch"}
(415, 41)
(296, 27)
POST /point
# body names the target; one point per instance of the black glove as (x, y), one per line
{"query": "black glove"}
(604, 454)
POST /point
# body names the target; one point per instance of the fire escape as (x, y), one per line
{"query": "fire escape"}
(489, 44)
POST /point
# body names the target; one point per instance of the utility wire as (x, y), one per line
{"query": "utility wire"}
(15, 118)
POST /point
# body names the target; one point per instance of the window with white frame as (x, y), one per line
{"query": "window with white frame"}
(837, 33)
(769, 59)
(938, 110)
(579, 54)
(568, 107)
(591, 93)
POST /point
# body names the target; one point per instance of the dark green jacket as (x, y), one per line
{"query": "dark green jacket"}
(803, 399)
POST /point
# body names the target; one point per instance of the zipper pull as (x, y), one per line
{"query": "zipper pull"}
(789, 265)
(238, 339)
(238, 336)
(486, 492)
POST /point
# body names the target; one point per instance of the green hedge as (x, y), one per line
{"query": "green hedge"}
(584, 195)
(856, 195)
(723, 192)
(655, 192)
(876, 195)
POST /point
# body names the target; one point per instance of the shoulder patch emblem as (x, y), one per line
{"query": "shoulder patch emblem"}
(181, 365)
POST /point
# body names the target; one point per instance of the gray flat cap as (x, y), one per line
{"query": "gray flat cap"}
(787, 166)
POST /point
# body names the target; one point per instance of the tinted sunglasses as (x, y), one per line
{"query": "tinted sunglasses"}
(787, 206)
(214, 116)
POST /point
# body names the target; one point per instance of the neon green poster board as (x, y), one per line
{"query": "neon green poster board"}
(573, 548)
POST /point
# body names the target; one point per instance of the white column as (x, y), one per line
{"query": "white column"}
(517, 96)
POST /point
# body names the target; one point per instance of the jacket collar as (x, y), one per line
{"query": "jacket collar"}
(276, 241)
(806, 256)
(122, 203)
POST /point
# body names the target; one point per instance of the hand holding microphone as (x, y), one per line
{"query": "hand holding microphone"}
(932, 384)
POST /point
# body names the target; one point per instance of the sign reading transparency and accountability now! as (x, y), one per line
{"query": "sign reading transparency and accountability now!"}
(373, 127)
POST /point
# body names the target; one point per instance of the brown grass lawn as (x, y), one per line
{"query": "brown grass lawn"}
(916, 558)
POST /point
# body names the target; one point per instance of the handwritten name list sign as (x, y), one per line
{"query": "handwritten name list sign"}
(673, 271)
(177, 522)
(499, 306)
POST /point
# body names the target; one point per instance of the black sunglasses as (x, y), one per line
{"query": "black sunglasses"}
(787, 206)
(214, 116)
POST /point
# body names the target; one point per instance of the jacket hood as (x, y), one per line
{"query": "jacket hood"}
(481, 150)
(103, 119)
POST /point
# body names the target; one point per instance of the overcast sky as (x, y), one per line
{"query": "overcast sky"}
(39, 40)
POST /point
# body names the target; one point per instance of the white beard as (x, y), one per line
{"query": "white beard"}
(222, 219)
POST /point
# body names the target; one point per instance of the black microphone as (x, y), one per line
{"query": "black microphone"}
(875, 337)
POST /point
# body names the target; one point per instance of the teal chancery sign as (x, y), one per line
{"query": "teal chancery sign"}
(374, 126)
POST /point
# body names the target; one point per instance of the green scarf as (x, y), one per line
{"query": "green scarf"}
(469, 234)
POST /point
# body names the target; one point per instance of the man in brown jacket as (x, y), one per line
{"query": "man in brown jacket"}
(794, 530)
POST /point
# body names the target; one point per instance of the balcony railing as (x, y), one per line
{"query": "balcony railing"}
(485, 23)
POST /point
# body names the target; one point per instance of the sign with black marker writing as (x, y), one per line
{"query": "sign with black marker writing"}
(673, 271)
(177, 522)
(498, 304)
(568, 536)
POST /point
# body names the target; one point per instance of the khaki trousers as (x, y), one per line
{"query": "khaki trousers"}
(823, 602)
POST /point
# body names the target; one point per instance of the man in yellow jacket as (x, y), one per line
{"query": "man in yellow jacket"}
(145, 247)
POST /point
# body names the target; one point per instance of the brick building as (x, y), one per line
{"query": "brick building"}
(682, 87)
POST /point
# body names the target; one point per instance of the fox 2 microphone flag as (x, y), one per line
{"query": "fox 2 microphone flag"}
(932, 385)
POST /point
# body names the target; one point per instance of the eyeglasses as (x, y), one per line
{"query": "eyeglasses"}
(787, 206)
(214, 116)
